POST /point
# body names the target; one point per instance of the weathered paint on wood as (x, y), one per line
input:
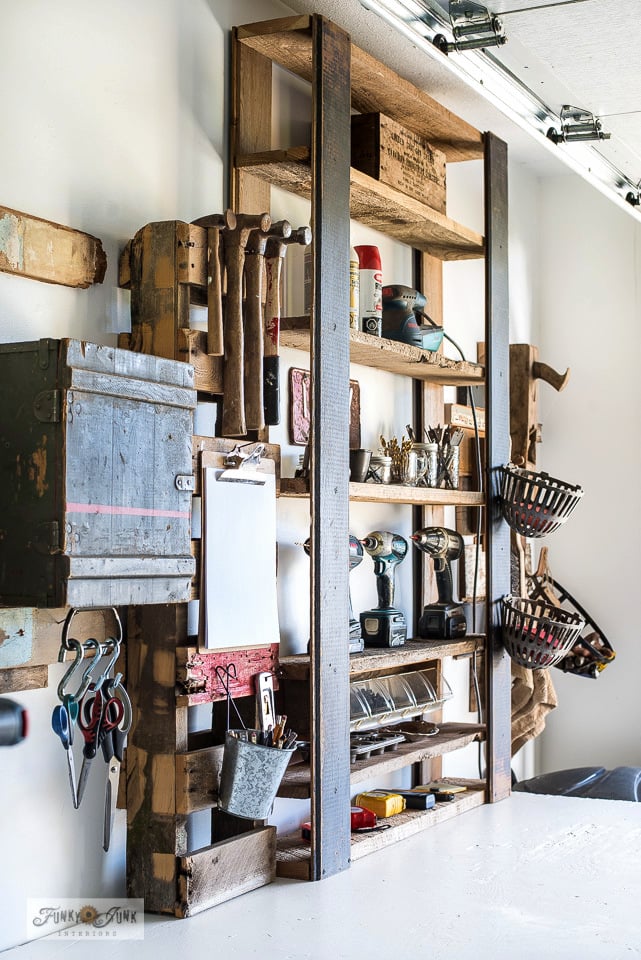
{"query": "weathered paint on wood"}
(32, 636)
(94, 439)
(329, 450)
(42, 250)
(198, 778)
(198, 681)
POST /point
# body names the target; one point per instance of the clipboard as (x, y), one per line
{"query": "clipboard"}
(238, 598)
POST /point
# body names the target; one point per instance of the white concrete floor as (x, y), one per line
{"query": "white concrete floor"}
(531, 877)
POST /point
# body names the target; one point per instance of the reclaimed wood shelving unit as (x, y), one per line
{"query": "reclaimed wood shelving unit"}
(345, 78)
(172, 771)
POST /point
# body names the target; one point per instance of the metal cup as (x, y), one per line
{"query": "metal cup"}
(359, 461)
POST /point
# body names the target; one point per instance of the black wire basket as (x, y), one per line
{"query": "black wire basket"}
(537, 634)
(535, 504)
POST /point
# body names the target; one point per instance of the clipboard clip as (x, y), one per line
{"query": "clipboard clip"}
(243, 467)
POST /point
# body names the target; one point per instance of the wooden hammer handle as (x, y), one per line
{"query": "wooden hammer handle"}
(271, 360)
(215, 343)
(233, 368)
(254, 342)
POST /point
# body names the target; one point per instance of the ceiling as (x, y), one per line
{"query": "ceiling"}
(578, 52)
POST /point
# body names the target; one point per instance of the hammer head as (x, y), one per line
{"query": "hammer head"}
(258, 239)
(277, 247)
(220, 221)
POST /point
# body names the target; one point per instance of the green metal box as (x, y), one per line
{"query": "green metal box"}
(96, 476)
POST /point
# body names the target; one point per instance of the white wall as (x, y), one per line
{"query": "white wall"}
(590, 321)
(113, 115)
(119, 118)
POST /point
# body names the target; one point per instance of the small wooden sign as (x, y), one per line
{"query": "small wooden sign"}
(300, 408)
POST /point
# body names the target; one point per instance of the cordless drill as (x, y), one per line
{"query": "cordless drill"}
(355, 557)
(404, 318)
(384, 626)
(445, 619)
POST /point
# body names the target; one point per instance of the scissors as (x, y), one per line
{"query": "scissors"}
(113, 745)
(97, 717)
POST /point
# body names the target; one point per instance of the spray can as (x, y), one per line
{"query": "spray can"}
(354, 286)
(370, 289)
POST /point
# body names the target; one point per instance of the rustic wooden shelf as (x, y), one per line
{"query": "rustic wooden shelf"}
(375, 87)
(375, 660)
(293, 854)
(391, 356)
(296, 783)
(373, 203)
(391, 493)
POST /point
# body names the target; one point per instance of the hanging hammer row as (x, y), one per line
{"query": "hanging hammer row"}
(242, 250)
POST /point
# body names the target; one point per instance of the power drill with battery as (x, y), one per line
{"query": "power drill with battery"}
(445, 619)
(384, 626)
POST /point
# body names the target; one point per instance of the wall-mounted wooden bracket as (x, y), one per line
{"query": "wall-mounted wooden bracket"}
(51, 252)
(525, 371)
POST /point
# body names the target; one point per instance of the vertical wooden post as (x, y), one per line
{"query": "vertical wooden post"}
(251, 129)
(156, 835)
(329, 450)
(497, 447)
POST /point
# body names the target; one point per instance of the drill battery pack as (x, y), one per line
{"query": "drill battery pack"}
(383, 803)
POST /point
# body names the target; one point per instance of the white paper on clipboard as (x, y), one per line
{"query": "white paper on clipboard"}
(239, 601)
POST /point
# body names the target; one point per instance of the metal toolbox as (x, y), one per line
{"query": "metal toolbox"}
(96, 461)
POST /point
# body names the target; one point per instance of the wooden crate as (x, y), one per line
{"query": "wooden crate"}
(386, 151)
(96, 457)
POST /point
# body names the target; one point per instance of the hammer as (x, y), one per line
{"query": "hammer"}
(274, 256)
(215, 224)
(234, 242)
(254, 255)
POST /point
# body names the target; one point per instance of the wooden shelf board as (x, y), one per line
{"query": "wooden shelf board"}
(375, 204)
(375, 87)
(293, 854)
(451, 736)
(374, 660)
(389, 355)
(391, 493)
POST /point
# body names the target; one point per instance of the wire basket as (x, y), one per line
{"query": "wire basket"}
(537, 634)
(535, 504)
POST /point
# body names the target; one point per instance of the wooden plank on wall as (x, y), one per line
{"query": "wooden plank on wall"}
(251, 129)
(32, 636)
(14, 680)
(226, 870)
(497, 454)
(42, 250)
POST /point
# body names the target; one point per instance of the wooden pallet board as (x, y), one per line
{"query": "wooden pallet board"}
(42, 250)
(373, 203)
(375, 87)
(391, 356)
(391, 493)
(451, 736)
(375, 660)
(292, 853)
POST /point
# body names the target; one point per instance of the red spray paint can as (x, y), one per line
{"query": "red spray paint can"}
(370, 289)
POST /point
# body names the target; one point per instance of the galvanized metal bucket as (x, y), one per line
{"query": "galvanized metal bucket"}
(250, 776)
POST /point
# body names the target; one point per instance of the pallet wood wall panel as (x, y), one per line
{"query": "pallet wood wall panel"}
(42, 250)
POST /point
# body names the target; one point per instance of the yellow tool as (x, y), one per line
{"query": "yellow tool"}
(381, 802)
